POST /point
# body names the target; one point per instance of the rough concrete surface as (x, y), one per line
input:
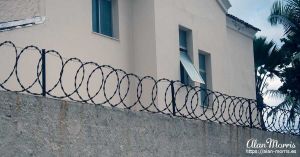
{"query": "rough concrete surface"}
(42, 127)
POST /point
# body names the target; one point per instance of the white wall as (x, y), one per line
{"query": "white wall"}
(68, 29)
(148, 39)
(241, 67)
(144, 56)
(210, 34)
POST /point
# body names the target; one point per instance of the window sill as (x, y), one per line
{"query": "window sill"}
(109, 37)
(11, 25)
(206, 107)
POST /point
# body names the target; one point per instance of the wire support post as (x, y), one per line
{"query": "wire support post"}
(173, 98)
(250, 115)
(44, 92)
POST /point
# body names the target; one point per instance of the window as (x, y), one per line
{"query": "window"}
(183, 49)
(202, 68)
(188, 72)
(104, 14)
(203, 73)
(183, 41)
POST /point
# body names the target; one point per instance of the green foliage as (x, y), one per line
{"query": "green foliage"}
(267, 62)
(291, 79)
(287, 13)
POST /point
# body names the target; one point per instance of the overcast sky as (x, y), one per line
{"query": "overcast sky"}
(256, 12)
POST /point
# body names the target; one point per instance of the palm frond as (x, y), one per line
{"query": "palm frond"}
(287, 24)
(276, 94)
(286, 13)
(285, 105)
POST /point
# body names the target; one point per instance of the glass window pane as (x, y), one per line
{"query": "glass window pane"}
(183, 76)
(204, 95)
(204, 98)
(202, 62)
(203, 75)
(182, 39)
(189, 68)
(95, 16)
(106, 17)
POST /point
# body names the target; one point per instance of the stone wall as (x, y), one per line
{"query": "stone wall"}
(37, 126)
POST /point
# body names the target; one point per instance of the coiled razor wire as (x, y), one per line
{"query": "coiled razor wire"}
(117, 88)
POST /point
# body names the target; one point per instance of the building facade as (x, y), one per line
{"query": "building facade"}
(161, 38)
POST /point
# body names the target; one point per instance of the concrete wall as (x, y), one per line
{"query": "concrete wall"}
(36, 126)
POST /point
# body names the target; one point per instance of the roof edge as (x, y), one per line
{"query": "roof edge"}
(241, 26)
(242, 22)
(225, 5)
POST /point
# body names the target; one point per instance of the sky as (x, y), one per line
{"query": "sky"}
(256, 13)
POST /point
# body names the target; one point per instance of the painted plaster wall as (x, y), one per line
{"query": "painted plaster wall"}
(68, 29)
(230, 52)
(147, 45)
(240, 64)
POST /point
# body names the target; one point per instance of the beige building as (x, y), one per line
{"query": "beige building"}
(194, 41)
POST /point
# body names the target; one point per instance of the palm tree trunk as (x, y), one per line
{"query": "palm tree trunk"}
(260, 106)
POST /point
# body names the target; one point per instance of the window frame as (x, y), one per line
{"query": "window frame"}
(184, 78)
(189, 75)
(97, 15)
(207, 79)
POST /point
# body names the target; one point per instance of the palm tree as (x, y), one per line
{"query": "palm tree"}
(289, 91)
(268, 60)
(287, 13)
(285, 114)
